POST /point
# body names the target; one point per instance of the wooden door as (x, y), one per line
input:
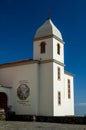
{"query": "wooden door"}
(3, 100)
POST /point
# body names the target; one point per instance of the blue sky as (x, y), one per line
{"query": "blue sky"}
(19, 19)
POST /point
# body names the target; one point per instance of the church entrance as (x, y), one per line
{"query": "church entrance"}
(3, 100)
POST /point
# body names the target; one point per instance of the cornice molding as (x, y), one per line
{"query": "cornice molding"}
(47, 37)
(30, 61)
(51, 60)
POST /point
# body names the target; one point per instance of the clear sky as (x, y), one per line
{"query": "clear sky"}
(19, 19)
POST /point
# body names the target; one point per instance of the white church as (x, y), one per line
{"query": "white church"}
(39, 86)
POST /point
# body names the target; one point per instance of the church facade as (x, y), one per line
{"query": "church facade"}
(39, 86)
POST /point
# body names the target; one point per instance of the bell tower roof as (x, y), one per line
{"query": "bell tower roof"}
(48, 29)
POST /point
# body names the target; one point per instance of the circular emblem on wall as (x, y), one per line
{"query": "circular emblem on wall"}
(23, 91)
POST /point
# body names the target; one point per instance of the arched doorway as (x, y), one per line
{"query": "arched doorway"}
(3, 100)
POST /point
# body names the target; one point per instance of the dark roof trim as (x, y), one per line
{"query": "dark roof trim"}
(20, 62)
(68, 73)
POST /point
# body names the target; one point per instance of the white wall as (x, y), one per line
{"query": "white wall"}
(13, 76)
(55, 55)
(49, 51)
(46, 89)
(69, 103)
(58, 86)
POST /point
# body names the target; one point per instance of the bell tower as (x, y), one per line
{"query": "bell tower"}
(48, 43)
(49, 50)
(53, 86)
